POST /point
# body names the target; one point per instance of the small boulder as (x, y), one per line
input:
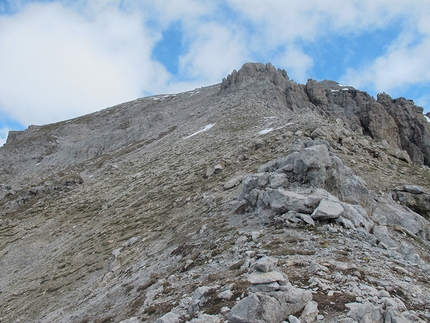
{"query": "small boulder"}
(266, 264)
(259, 277)
(309, 313)
(327, 210)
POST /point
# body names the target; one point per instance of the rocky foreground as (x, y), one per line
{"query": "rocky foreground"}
(254, 200)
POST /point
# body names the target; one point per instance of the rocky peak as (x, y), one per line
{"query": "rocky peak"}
(254, 73)
(399, 122)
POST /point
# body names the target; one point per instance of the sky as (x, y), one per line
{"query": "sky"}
(61, 59)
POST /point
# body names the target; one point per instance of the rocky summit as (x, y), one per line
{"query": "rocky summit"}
(250, 201)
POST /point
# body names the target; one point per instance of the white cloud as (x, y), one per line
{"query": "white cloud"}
(69, 57)
(297, 63)
(423, 101)
(287, 21)
(406, 61)
(214, 51)
(3, 135)
(57, 63)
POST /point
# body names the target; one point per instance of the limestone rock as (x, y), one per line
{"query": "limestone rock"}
(232, 182)
(327, 210)
(316, 93)
(270, 308)
(266, 264)
(259, 277)
(365, 312)
(253, 73)
(205, 318)
(309, 313)
(394, 316)
(415, 198)
(131, 320)
(382, 234)
(169, 318)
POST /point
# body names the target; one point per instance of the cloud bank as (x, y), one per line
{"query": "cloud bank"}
(61, 59)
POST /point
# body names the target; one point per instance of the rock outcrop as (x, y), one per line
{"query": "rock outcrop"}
(400, 122)
(312, 182)
(254, 73)
(272, 298)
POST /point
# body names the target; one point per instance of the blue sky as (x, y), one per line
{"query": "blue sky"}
(63, 58)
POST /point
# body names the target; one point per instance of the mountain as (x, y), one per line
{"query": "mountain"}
(254, 200)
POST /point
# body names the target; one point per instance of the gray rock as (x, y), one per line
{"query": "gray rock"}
(412, 128)
(280, 163)
(415, 198)
(266, 264)
(254, 181)
(259, 277)
(264, 288)
(131, 320)
(205, 318)
(271, 308)
(306, 218)
(232, 182)
(281, 201)
(293, 319)
(389, 213)
(309, 313)
(257, 307)
(277, 180)
(345, 223)
(357, 215)
(169, 318)
(383, 235)
(198, 298)
(254, 73)
(227, 294)
(218, 168)
(365, 312)
(394, 316)
(327, 210)
(316, 93)
(414, 189)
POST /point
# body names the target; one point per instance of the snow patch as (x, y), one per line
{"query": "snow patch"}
(193, 93)
(427, 118)
(206, 128)
(264, 131)
(267, 130)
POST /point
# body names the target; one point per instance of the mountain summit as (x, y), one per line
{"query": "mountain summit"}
(254, 200)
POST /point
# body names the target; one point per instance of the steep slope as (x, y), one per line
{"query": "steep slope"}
(125, 213)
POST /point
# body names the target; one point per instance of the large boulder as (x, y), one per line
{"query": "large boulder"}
(415, 198)
(312, 166)
(389, 213)
(270, 307)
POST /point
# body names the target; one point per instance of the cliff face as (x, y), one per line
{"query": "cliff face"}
(399, 122)
(254, 200)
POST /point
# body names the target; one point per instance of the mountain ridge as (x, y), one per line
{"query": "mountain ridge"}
(117, 215)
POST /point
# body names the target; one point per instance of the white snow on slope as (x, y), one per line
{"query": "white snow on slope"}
(264, 131)
(427, 118)
(267, 130)
(206, 128)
